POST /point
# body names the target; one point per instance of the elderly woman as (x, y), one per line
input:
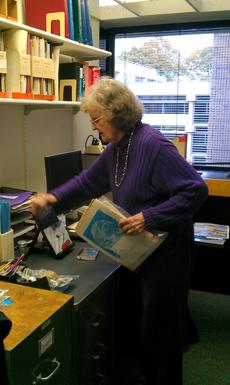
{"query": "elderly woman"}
(149, 179)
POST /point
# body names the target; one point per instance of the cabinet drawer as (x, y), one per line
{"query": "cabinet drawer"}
(94, 337)
(39, 352)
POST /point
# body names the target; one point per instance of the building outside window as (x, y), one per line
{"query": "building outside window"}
(183, 81)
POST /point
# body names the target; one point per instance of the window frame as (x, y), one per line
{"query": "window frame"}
(173, 29)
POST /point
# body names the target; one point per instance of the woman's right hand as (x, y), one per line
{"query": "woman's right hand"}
(40, 201)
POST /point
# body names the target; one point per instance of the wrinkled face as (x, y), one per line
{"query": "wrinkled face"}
(106, 130)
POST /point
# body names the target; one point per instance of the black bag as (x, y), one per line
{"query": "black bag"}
(5, 327)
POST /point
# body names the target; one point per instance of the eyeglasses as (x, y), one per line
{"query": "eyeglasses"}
(94, 121)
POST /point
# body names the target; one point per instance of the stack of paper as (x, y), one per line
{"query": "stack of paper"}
(99, 226)
(19, 204)
(19, 201)
(211, 233)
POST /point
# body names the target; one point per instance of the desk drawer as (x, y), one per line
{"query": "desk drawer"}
(94, 337)
(39, 345)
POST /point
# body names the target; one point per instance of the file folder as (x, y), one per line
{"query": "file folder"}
(36, 13)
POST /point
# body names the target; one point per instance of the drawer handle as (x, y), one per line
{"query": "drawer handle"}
(101, 379)
(100, 350)
(98, 319)
(39, 377)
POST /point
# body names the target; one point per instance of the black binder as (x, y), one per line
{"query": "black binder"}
(69, 71)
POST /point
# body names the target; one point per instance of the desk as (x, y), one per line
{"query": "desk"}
(218, 187)
(218, 182)
(93, 293)
(34, 347)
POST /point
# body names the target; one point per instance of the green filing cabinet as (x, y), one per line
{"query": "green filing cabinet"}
(39, 345)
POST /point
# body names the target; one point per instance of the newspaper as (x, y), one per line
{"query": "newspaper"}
(99, 226)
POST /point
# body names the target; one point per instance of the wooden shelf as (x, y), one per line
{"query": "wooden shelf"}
(218, 187)
(67, 47)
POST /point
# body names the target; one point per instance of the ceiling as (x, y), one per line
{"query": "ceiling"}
(128, 13)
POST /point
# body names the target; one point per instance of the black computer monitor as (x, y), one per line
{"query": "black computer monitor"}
(61, 167)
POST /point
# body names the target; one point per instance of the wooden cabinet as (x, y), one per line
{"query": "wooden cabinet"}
(39, 345)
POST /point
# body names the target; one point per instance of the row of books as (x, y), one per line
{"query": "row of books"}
(29, 69)
(76, 78)
(67, 18)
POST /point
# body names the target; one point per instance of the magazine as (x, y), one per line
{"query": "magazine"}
(212, 233)
(99, 226)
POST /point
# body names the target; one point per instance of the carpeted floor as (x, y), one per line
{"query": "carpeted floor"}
(208, 361)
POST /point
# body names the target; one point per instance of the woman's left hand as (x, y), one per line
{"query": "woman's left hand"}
(133, 225)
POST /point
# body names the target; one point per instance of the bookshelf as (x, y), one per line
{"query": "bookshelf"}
(69, 48)
(32, 129)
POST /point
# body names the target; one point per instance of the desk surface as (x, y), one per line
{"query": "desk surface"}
(218, 182)
(92, 274)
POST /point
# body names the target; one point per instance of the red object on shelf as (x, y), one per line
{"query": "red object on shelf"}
(36, 11)
(21, 95)
(3, 95)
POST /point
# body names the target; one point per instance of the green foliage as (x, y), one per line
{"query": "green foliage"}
(199, 63)
(167, 61)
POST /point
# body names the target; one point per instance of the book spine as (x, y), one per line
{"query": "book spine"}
(96, 73)
(77, 20)
(88, 24)
(70, 15)
(83, 22)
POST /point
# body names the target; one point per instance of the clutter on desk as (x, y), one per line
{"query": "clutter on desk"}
(87, 253)
(9, 268)
(53, 228)
(211, 233)
(56, 281)
(4, 298)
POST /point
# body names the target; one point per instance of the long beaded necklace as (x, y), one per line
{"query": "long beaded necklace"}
(116, 181)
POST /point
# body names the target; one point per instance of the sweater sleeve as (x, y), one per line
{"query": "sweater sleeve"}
(183, 189)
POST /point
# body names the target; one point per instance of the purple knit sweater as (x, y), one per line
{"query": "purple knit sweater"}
(158, 181)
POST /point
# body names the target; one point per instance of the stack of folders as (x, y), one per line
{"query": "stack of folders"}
(211, 233)
(18, 203)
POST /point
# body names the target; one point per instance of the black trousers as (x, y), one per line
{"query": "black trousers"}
(152, 311)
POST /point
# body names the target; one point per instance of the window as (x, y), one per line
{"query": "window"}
(183, 81)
